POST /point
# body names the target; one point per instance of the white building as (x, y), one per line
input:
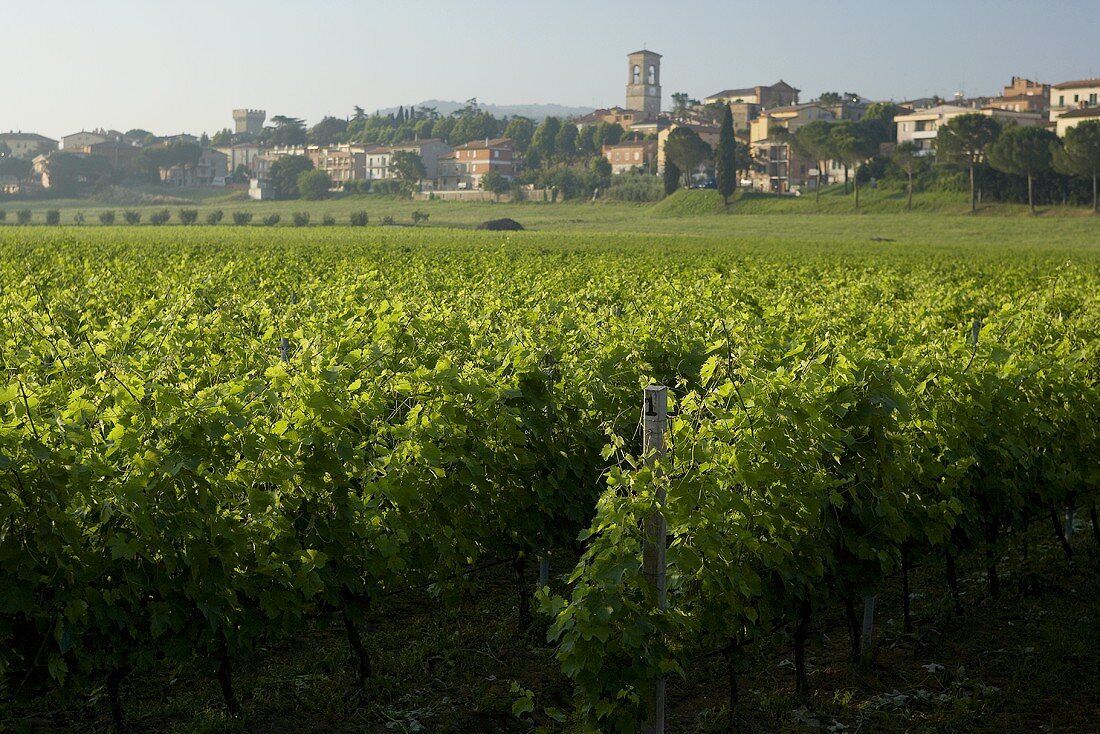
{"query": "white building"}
(83, 139)
(240, 155)
(259, 189)
(431, 152)
(27, 145)
(1073, 95)
(921, 127)
(1073, 118)
(211, 168)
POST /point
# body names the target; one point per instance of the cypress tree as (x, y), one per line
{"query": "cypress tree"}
(725, 158)
(672, 177)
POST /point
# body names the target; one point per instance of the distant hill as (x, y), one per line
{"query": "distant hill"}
(533, 111)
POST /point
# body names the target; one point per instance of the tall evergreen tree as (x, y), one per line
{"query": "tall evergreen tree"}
(1024, 151)
(725, 158)
(964, 140)
(544, 139)
(907, 156)
(687, 150)
(672, 177)
(1080, 156)
(813, 141)
(853, 143)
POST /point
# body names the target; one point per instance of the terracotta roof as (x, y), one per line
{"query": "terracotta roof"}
(601, 113)
(734, 93)
(26, 136)
(492, 143)
(798, 107)
(702, 128)
(1077, 84)
(1082, 112)
(631, 144)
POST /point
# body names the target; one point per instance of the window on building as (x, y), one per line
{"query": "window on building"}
(1092, 99)
(636, 77)
(1061, 100)
(652, 74)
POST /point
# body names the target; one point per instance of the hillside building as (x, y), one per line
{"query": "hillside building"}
(1073, 95)
(631, 156)
(240, 155)
(27, 145)
(709, 134)
(766, 97)
(1073, 118)
(82, 139)
(922, 127)
(1023, 95)
(463, 168)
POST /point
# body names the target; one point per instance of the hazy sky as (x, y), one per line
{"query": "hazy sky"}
(183, 66)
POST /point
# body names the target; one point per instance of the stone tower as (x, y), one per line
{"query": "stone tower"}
(249, 121)
(643, 85)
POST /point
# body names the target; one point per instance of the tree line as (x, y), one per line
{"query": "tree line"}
(996, 157)
(1027, 152)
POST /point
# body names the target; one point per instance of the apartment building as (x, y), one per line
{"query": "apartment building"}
(27, 145)
(341, 163)
(78, 141)
(242, 154)
(789, 118)
(922, 127)
(119, 154)
(1073, 95)
(631, 156)
(464, 167)
(431, 152)
(778, 166)
(209, 170)
(1074, 118)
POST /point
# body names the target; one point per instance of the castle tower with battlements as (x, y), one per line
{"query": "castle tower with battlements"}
(249, 121)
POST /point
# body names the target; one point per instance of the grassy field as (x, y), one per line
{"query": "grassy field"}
(938, 220)
(882, 212)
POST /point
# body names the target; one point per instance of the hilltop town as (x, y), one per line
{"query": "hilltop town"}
(472, 154)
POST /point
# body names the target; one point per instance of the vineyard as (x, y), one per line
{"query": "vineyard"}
(213, 438)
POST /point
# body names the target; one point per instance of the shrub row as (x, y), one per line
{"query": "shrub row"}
(191, 216)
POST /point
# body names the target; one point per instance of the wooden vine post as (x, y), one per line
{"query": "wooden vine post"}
(654, 425)
(868, 625)
(549, 362)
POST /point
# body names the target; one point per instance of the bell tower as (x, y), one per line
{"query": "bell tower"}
(643, 84)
